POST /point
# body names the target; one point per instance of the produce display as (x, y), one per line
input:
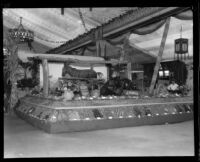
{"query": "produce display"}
(84, 102)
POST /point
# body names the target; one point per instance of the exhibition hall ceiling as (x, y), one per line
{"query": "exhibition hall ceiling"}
(52, 28)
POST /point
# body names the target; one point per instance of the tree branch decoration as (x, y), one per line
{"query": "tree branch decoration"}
(10, 73)
(32, 67)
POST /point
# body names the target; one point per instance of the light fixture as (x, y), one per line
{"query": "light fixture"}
(181, 47)
(21, 35)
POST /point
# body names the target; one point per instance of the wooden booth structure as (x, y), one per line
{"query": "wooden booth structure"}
(53, 115)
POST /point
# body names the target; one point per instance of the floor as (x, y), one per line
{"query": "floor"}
(23, 140)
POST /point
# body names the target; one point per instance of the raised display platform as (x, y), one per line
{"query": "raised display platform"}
(55, 116)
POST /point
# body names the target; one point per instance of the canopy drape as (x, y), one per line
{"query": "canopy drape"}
(149, 28)
(120, 39)
(117, 40)
(91, 48)
(187, 15)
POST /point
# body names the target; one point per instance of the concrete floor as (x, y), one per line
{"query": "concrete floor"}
(23, 140)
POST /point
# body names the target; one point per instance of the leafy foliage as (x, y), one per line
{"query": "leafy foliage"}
(10, 73)
(33, 67)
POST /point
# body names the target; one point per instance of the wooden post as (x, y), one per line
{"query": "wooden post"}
(162, 45)
(92, 67)
(98, 48)
(45, 77)
(143, 85)
(101, 48)
(129, 71)
(108, 71)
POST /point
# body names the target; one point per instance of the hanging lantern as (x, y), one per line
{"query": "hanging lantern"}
(21, 35)
(181, 47)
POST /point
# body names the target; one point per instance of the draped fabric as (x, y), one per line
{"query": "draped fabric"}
(79, 51)
(97, 35)
(117, 40)
(149, 28)
(91, 48)
(83, 51)
(141, 31)
(187, 15)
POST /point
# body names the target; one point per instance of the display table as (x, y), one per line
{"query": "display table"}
(55, 116)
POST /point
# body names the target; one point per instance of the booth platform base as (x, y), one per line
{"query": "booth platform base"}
(56, 119)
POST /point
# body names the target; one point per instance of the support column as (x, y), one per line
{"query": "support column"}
(101, 48)
(124, 46)
(129, 71)
(108, 66)
(159, 57)
(45, 77)
(98, 49)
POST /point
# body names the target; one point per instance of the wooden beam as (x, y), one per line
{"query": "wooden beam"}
(159, 58)
(71, 58)
(59, 57)
(45, 77)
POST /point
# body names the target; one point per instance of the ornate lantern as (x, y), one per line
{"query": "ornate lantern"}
(181, 47)
(21, 35)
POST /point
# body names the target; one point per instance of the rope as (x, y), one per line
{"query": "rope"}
(82, 20)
